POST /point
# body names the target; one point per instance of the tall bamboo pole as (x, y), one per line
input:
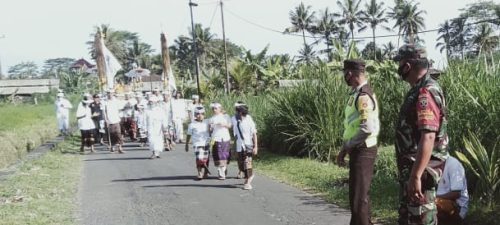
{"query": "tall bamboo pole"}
(99, 58)
(165, 59)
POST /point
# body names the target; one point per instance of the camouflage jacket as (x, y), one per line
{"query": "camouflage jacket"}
(424, 108)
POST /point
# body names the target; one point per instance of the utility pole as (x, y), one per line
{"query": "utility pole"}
(228, 84)
(195, 47)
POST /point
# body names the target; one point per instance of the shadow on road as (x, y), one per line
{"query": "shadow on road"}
(130, 158)
(192, 177)
(193, 185)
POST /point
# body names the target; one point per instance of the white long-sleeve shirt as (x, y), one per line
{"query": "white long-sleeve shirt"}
(84, 116)
(62, 106)
(248, 129)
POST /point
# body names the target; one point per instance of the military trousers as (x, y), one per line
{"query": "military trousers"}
(424, 211)
(361, 163)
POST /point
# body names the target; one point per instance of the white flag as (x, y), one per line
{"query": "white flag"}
(171, 81)
(111, 66)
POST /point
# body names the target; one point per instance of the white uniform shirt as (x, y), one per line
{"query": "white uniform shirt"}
(85, 123)
(453, 179)
(62, 107)
(113, 108)
(220, 133)
(248, 129)
(167, 110)
(199, 132)
(179, 109)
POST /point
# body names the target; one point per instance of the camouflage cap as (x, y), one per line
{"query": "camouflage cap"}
(411, 51)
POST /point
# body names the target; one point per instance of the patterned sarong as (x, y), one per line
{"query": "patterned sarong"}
(201, 153)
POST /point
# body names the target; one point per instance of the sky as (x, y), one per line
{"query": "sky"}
(37, 30)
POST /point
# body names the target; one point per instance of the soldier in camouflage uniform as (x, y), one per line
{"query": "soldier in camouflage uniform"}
(421, 139)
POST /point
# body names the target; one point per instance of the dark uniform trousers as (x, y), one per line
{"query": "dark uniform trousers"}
(361, 163)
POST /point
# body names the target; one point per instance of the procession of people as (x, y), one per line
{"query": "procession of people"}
(158, 121)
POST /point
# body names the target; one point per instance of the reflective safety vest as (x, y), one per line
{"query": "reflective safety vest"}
(356, 111)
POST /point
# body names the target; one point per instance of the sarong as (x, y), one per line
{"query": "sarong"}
(221, 153)
(201, 153)
(87, 137)
(115, 133)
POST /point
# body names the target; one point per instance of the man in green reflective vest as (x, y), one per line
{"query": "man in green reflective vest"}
(361, 128)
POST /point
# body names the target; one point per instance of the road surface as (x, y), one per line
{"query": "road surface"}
(130, 188)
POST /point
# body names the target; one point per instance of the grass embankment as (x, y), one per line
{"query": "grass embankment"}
(331, 182)
(43, 191)
(22, 128)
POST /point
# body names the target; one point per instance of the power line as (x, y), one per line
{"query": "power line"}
(213, 15)
(356, 38)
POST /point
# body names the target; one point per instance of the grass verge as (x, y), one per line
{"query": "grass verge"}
(331, 182)
(43, 191)
(22, 128)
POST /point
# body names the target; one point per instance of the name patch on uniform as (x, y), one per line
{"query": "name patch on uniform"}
(426, 114)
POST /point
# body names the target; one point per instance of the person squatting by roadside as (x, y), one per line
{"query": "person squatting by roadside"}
(452, 197)
(85, 123)
(198, 132)
(219, 127)
(361, 128)
(112, 112)
(245, 132)
(421, 138)
(62, 106)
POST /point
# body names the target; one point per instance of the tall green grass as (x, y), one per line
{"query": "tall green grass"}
(22, 128)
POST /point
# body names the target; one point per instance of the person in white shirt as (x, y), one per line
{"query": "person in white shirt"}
(85, 123)
(245, 131)
(140, 120)
(166, 106)
(113, 109)
(452, 197)
(178, 116)
(199, 131)
(192, 106)
(220, 123)
(157, 125)
(128, 116)
(62, 106)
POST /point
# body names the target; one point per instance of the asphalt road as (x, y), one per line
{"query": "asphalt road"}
(130, 188)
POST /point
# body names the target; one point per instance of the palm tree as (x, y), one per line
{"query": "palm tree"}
(301, 18)
(444, 35)
(350, 14)
(203, 41)
(117, 41)
(460, 33)
(388, 50)
(409, 19)
(374, 15)
(139, 53)
(306, 55)
(485, 39)
(327, 28)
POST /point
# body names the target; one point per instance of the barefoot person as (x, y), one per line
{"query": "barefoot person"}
(85, 123)
(219, 126)
(246, 142)
(199, 131)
